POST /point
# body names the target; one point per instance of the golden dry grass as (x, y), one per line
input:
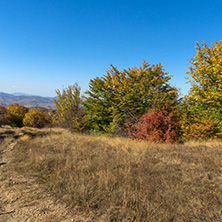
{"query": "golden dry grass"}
(115, 179)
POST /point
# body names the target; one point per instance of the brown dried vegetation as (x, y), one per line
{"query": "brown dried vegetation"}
(115, 179)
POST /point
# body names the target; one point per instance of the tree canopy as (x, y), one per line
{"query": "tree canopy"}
(206, 74)
(69, 109)
(203, 104)
(16, 114)
(117, 95)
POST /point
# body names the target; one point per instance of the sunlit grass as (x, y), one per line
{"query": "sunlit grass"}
(116, 179)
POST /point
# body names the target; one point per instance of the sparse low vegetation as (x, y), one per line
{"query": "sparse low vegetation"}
(115, 179)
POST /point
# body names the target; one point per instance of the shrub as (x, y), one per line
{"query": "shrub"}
(200, 127)
(36, 118)
(16, 114)
(157, 126)
(3, 115)
(199, 121)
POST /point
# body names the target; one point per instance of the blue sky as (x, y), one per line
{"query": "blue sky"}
(50, 44)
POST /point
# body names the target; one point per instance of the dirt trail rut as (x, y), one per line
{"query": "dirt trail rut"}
(22, 198)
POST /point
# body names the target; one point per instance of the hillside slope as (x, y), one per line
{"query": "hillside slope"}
(27, 100)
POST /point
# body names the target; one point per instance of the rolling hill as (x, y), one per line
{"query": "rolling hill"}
(26, 100)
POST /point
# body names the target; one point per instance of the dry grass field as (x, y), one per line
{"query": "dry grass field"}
(95, 178)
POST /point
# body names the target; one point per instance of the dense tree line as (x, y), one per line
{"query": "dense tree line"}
(139, 102)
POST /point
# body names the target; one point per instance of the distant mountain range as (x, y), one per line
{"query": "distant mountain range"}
(26, 100)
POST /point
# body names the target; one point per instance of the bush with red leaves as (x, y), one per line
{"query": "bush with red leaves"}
(157, 126)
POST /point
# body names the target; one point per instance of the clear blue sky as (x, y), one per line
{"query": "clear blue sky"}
(48, 44)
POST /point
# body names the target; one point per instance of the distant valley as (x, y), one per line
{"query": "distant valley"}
(26, 100)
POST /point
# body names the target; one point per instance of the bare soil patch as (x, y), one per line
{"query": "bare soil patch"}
(21, 197)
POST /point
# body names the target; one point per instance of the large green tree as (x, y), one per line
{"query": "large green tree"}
(120, 95)
(203, 104)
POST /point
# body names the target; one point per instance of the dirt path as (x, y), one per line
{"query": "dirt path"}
(21, 198)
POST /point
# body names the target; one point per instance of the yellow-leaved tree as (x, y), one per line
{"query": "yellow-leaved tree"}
(16, 114)
(69, 109)
(203, 104)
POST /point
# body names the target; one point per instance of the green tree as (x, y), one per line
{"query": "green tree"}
(16, 114)
(36, 117)
(120, 95)
(69, 109)
(203, 104)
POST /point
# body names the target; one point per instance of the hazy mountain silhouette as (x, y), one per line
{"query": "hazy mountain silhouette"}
(26, 100)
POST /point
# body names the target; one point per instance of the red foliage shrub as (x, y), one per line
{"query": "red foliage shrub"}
(157, 126)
